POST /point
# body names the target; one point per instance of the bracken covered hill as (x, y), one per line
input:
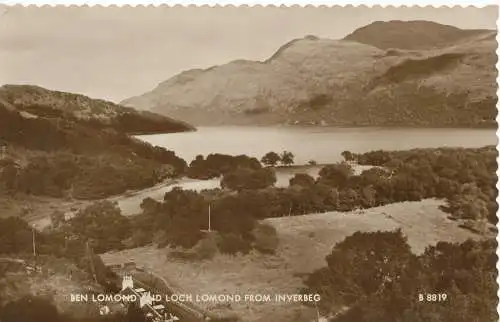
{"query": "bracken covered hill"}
(67, 145)
(345, 82)
(44, 103)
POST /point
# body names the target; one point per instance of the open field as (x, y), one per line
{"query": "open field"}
(304, 242)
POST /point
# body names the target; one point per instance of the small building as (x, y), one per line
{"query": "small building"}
(155, 312)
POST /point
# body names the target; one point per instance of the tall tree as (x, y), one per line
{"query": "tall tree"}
(287, 158)
(271, 159)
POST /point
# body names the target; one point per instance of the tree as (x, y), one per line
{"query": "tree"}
(15, 236)
(266, 238)
(336, 175)
(302, 179)
(360, 266)
(347, 155)
(287, 158)
(102, 224)
(271, 159)
(244, 178)
(30, 309)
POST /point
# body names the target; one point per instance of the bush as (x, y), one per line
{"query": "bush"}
(265, 238)
(335, 175)
(302, 179)
(377, 277)
(216, 165)
(231, 243)
(30, 309)
(271, 159)
(206, 248)
(244, 178)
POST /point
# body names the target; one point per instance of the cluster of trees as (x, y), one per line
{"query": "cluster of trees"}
(271, 159)
(373, 277)
(70, 157)
(182, 220)
(245, 178)
(465, 177)
(64, 174)
(216, 165)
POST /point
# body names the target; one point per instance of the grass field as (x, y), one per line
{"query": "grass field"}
(304, 243)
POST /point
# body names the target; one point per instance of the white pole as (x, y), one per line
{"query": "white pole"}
(209, 218)
(34, 246)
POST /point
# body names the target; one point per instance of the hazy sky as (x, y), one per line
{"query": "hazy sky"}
(115, 53)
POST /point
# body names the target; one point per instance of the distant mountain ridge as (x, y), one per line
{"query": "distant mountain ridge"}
(413, 73)
(412, 35)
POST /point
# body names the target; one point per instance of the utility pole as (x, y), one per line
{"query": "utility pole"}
(34, 242)
(209, 218)
(90, 257)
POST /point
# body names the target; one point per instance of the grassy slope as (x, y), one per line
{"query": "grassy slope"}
(304, 242)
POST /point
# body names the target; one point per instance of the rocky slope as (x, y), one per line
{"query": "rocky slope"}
(40, 102)
(443, 77)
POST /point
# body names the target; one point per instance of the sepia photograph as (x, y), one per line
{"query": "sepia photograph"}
(248, 164)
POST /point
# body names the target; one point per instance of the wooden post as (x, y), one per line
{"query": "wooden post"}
(209, 218)
(91, 259)
(34, 242)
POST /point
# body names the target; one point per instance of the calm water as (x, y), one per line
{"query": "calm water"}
(323, 145)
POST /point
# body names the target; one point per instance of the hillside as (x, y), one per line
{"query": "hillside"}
(304, 243)
(44, 103)
(59, 145)
(345, 82)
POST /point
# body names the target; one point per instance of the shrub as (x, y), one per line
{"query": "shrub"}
(206, 248)
(271, 159)
(243, 178)
(231, 243)
(302, 179)
(265, 238)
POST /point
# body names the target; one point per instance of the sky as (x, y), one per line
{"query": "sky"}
(115, 53)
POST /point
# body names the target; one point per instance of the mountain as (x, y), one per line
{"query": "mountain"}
(446, 78)
(40, 102)
(413, 35)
